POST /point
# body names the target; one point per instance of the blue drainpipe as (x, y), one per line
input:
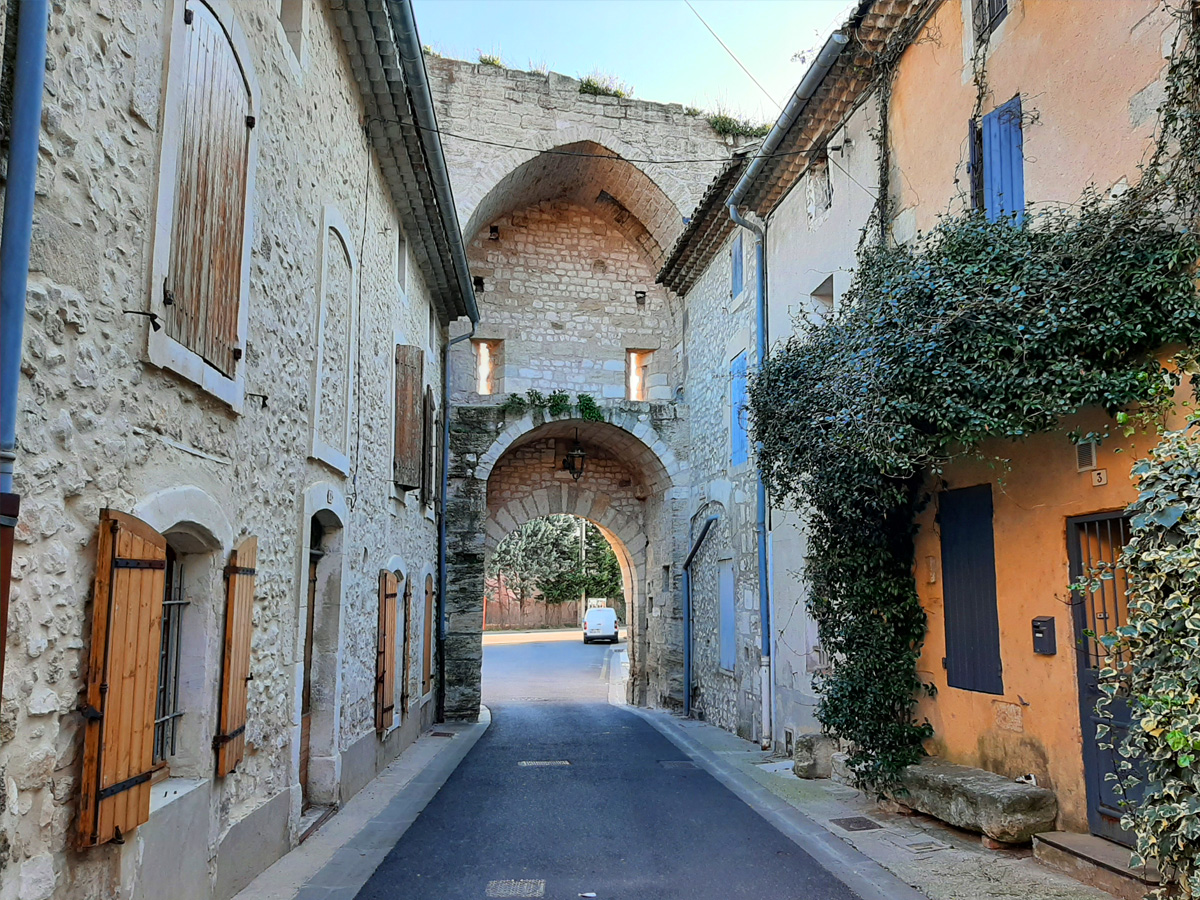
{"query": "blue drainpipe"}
(28, 76)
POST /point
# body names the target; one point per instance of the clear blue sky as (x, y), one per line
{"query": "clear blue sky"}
(657, 46)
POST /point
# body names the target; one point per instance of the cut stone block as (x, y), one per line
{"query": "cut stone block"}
(978, 801)
(813, 756)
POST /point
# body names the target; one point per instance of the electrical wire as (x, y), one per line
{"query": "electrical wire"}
(630, 159)
(733, 56)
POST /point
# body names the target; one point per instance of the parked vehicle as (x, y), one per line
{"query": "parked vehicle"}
(600, 625)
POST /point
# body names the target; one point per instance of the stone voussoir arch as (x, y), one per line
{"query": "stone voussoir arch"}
(635, 424)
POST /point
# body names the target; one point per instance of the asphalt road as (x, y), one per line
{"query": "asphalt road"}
(618, 810)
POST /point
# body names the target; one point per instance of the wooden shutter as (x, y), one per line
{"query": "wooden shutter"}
(230, 741)
(408, 455)
(975, 164)
(385, 658)
(969, 590)
(406, 648)
(204, 275)
(122, 679)
(739, 440)
(428, 446)
(1004, 162)
(427, 656)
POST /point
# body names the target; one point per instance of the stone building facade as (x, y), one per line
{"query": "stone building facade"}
(566, 223)
(293, 445)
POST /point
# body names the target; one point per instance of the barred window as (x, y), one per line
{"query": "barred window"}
(166, 708)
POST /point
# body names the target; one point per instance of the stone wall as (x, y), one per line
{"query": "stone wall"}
(532, 112)
(561, 290)
(101, 427)
(719, 327)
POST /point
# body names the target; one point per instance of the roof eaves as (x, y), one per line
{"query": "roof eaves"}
(401, 146)
(875, 26)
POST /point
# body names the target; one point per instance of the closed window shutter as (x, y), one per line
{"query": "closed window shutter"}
(408, 459)
(427, 656)
(975, 166)
(973, 660)
(204, 274)
(230, 742)
(735, 279)
(385, 661)
(1004, 163)
(427, 447)
(740, 438)
(122, 681)
(406, 648)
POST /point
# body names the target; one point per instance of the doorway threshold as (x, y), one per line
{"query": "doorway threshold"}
(1095, 861)
(313, 818)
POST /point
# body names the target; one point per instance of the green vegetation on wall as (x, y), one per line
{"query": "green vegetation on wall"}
(976, 330)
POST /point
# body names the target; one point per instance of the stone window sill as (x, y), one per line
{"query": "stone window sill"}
(171, 789)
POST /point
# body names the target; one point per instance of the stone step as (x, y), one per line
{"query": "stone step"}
(1096, 862)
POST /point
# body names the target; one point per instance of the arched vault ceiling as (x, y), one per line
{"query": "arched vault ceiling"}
(617, 189)
(615, 442)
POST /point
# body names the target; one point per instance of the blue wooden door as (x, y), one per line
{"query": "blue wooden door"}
(969, 590)
(1101, 605)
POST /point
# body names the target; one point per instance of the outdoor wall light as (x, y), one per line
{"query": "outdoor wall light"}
(574, 461)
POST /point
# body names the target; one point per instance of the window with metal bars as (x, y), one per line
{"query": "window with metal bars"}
(166, 708)
(986, 15)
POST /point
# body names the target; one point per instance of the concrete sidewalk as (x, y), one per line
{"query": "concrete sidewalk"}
(941, 862)
(336, 862)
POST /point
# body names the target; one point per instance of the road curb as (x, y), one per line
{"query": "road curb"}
(863, 875)
(355, 860)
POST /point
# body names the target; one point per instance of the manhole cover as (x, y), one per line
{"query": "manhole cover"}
(441, 734)
(524, 887)
(539, 763)
(677, 764)
(856, 823)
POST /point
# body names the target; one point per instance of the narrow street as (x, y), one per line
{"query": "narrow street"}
(628, 816)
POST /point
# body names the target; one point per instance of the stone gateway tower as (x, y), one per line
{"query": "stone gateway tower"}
(569, 204)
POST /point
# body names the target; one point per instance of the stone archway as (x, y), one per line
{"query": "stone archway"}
(507, 473)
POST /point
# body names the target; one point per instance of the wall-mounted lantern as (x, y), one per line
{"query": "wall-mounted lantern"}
(574, 461)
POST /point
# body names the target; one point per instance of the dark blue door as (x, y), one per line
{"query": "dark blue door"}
(969, 590)
(1101, 605)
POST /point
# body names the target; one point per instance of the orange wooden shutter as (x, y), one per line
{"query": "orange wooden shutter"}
(406, 645)
(408, 456)
(204, 276)
(427, 447)
(385, 658)
(122, 680)
(427, 656)
(230, 741)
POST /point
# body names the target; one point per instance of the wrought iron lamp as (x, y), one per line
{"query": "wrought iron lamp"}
(575, 459)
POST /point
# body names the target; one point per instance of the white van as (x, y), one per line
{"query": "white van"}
(600, 625)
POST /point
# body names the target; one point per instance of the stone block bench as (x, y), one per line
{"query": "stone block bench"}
(976, 800)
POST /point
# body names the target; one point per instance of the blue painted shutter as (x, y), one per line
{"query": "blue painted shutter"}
(736, 254)
(727, 614)
(1003, 162)
(739, 438)
(969, 590)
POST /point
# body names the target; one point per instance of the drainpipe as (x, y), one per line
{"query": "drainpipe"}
(795, 107)
(443, 543)
(29, 74)
(687, 614)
